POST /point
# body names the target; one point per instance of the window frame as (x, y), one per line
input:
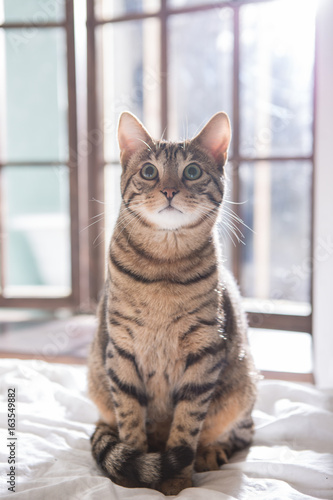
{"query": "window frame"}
(73, 299)
(96, 162)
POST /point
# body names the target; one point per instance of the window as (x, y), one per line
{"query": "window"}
(174, 63)
(38, 171)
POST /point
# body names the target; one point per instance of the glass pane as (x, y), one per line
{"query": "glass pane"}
(276, 258)
(36, 11)
(132, 86)
(276, 78)
(37, 226)
(107, 9)
(34, 96)
(200, 69)
(190, 3)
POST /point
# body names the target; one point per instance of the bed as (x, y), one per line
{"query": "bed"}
(291, 458)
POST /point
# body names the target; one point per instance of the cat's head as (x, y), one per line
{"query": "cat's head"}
(173, 185)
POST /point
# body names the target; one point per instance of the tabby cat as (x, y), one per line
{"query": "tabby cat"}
(169, 367)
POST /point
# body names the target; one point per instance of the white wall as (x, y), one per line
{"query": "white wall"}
(323, 217)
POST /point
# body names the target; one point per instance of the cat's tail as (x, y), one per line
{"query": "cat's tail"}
(133, 468)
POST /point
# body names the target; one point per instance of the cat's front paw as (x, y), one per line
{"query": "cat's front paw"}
(175, 485)
(210, 457)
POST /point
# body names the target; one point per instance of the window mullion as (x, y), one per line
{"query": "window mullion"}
(72, 154)
(164, 68)
(236, 258)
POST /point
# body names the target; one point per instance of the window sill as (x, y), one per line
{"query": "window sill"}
(277, 354)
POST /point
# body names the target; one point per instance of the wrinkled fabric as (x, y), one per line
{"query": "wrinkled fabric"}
(291, 458)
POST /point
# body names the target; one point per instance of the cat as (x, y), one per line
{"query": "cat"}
(170, 369)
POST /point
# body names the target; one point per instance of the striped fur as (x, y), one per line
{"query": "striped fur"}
(169, 367)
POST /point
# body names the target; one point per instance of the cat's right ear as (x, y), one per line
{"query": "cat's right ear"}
(132, 135)
(215, 137)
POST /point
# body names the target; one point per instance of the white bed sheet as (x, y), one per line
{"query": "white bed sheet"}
(292, 455)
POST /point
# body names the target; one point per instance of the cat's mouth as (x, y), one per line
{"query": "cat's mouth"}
(169, 208)
(169, 217)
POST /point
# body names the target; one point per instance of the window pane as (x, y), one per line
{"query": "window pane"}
(36, 11)
(200, 69)
(276, 78)
(34, 96)
(131, 75)
(37, 228)
(276, 260)
(107, 9)
(190, 3)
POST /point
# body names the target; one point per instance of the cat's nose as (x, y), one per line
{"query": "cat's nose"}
(169, 193)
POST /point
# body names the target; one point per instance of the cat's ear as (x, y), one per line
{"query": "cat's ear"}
(132, 135)
(215, 137)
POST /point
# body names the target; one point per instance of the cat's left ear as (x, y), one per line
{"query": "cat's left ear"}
(215, 137)
(132, 135)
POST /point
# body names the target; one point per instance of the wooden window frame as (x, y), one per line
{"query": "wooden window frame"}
(96, 162)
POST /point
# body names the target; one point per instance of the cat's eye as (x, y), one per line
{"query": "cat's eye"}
(149, 172)
(192, 172)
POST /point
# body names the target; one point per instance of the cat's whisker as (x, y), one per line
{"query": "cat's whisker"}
(234, 202)
(95, 222)
(144, 142)
(99, 234)
(207, 215)
(234, 225)
(223, 238)
(128, 222)
(98, 215)
(137, 203)
(105, 202)
(225, 230)
(232, 230)
(162, 136)
(124, 216)
(230, 213)
(207, 208)
(211, 212)
(133, 206)
(130, 210)
(124, 220)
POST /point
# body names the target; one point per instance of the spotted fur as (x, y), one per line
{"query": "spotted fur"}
(169, 368)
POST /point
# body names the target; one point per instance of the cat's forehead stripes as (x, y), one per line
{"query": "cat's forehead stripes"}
(181, 154)
(170, 151)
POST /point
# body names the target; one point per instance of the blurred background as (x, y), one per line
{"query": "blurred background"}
(67, 70)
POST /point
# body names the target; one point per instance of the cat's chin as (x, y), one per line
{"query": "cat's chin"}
(170, 219)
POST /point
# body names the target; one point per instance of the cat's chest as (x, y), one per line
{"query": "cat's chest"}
(159, 353)
(162, 365)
